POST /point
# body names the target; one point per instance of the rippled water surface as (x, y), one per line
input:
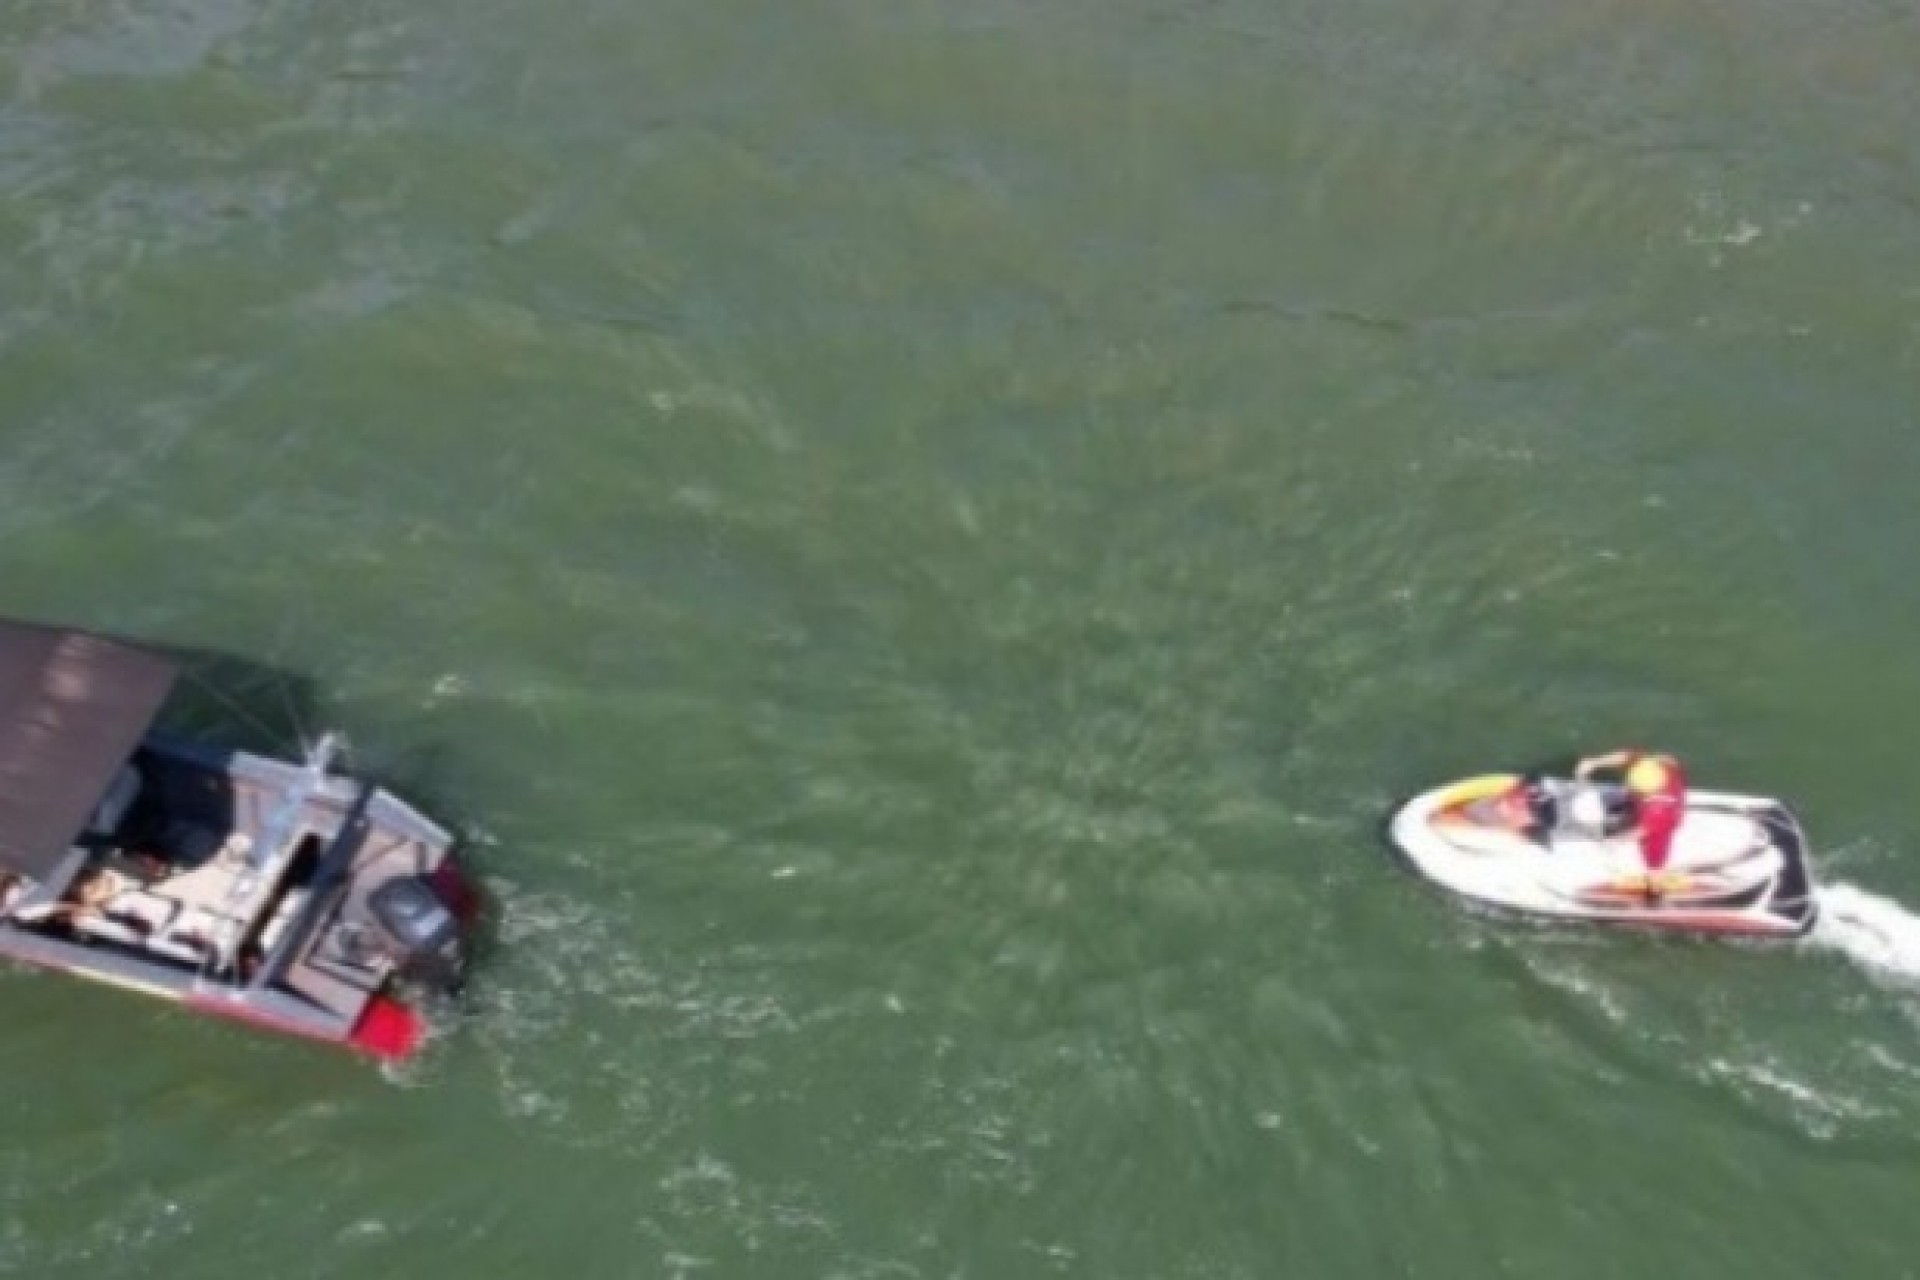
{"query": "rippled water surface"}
(919, 542)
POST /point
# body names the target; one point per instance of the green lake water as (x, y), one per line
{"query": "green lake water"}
(919, 543)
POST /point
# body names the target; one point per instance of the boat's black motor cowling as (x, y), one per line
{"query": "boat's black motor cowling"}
(417, 930)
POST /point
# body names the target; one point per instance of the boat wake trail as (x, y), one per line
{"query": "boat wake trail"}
(1876, 933)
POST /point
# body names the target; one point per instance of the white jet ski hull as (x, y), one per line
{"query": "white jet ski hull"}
(1738, 863)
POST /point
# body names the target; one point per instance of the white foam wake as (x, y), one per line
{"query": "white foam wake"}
(1876, 933)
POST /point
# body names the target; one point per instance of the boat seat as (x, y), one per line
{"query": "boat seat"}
(196, 936)
(148, 912)
(42, 897)
(107, 929)
(187, 948)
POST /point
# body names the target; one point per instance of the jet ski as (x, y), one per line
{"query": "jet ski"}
(1564, 850)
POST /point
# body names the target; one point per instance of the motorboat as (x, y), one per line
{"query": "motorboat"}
(278, 893)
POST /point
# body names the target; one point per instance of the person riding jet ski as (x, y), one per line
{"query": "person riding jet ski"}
(1656, 801)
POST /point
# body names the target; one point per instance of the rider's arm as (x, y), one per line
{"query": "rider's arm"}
(1593, 764)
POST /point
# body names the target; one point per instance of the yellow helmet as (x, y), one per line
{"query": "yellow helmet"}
(1648, 775)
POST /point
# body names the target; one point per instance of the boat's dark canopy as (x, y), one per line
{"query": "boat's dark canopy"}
(72, 708)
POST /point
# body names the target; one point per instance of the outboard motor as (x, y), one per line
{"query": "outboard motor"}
(418, 931)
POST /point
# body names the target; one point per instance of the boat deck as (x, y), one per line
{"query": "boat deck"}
(187, 882)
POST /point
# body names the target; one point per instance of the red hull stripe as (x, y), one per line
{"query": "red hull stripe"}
(233, 1011)
(387, 1029)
